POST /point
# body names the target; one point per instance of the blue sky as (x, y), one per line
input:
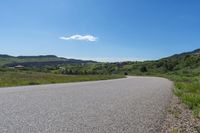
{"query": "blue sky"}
(104, 30)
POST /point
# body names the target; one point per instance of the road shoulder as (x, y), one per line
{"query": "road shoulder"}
(180, 119)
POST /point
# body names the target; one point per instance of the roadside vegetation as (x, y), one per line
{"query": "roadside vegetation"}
(188, 89)
(18, 78)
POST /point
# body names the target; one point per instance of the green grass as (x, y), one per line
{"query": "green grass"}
(189, 93)
(187, 88)
(18, 78)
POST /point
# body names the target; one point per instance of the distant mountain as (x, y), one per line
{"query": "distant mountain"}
(7, 60)
(183, 61)
(194, 52)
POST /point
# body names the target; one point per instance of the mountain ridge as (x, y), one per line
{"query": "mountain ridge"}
(194, 52)
(7, 60)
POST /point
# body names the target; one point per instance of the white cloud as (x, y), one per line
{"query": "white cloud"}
(89, 38)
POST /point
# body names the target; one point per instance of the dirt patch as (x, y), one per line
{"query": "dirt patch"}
(180, 119)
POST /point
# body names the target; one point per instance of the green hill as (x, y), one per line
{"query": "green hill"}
(7, 60)
(187, 63)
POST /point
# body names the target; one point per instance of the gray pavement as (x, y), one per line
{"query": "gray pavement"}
(131, 105)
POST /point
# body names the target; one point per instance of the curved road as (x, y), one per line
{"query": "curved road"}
(131, 105)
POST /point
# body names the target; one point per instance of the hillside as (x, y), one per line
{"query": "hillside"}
(188, 62)
(194, 52)
(7, 60)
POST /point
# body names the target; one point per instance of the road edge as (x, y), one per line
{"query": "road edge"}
(179, 118)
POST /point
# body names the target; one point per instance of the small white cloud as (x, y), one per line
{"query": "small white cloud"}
(89, 38)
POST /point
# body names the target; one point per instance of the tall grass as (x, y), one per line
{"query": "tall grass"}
(17, 78)
(189, 92)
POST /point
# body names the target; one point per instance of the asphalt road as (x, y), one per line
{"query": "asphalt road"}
(131, 105)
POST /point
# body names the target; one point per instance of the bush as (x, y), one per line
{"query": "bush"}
(125, 73)
(143, 69)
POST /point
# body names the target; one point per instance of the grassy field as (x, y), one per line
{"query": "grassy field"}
(18, 78)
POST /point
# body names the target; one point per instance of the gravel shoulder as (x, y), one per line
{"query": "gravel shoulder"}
(180, 119)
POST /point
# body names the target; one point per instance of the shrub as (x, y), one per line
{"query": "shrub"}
(143, 69)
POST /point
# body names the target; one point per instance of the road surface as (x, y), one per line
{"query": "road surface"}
(131, 105)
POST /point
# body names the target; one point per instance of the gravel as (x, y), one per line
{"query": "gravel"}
(180, 119)
(130, 105)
